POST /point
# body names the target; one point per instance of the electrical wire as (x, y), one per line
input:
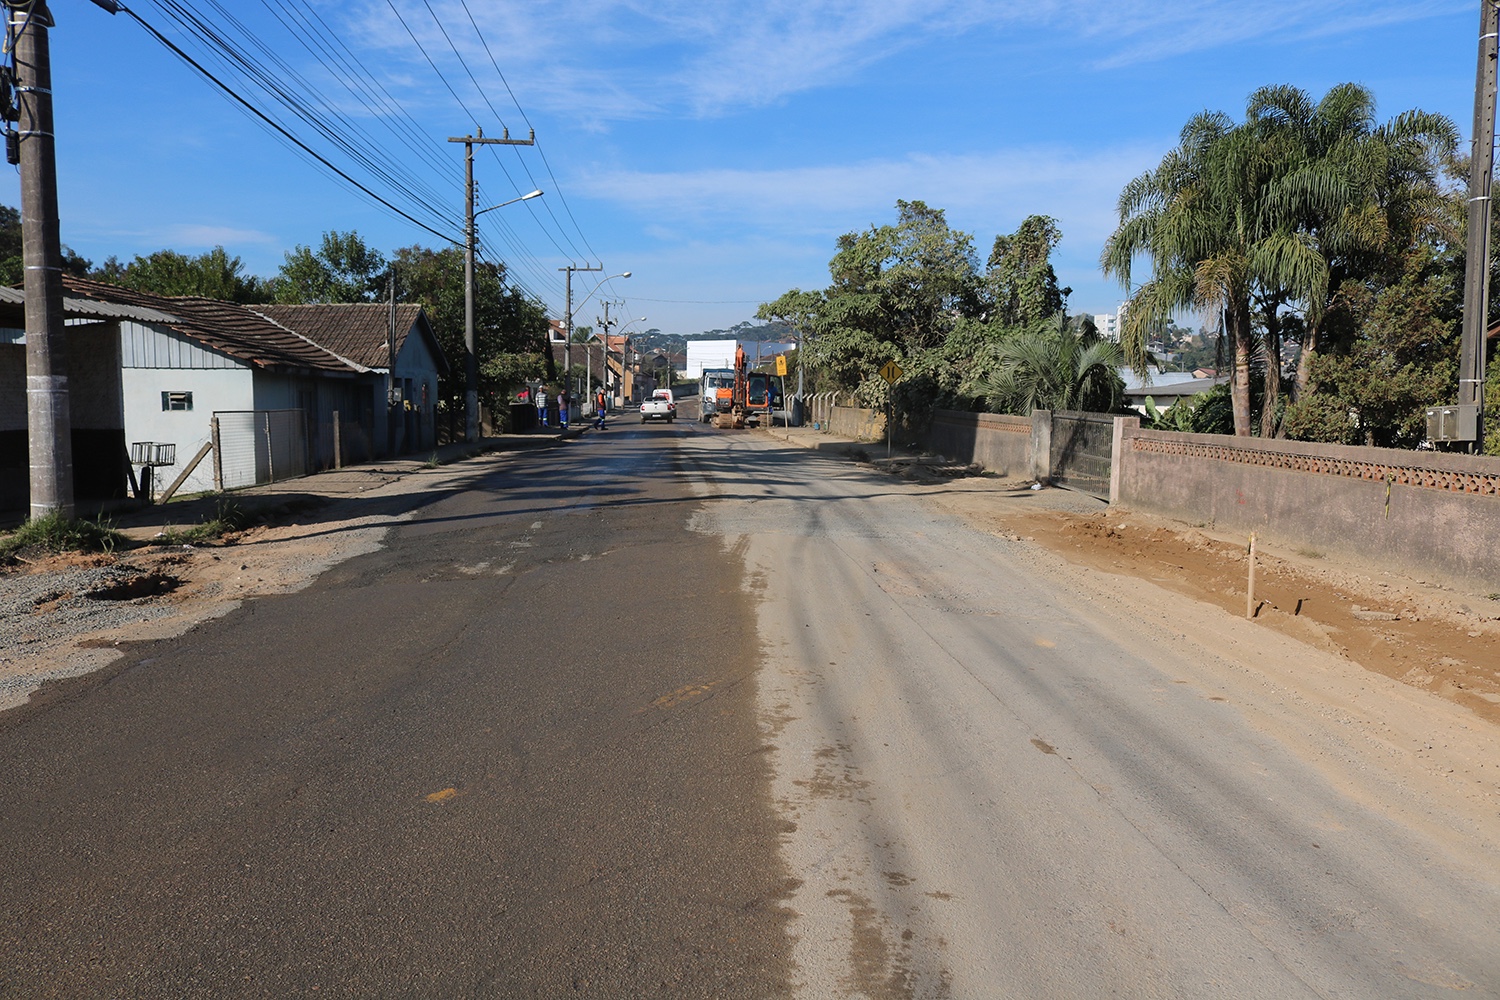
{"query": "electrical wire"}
(540, 151)
(279, 128)
(256, 76)
(498, 117)
(360, 150)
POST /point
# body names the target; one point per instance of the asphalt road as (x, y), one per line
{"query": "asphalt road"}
(672, 711)
(513, 754)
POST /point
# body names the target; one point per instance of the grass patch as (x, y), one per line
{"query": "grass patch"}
(56, 534)
(228, 517)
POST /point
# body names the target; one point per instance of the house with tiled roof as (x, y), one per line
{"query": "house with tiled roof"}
(360, 333)
(187, 371)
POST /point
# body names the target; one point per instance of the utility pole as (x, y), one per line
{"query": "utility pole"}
(568, 343)
(1477, 261)
(604, 364)
(49, 418)
(471, 363)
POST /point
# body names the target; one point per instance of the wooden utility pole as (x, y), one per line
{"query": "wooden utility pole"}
(471, 363)
(1477, 261)
(49, 419)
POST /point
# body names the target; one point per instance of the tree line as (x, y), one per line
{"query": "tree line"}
(510, 328)
(1326, 248)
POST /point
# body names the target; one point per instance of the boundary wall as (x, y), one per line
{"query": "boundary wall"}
(1428, 513)
(1436, 513)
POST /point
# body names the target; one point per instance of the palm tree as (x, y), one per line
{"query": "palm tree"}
(1359, 195)
(1197, 228)
(1053, 366)
(1274, 212)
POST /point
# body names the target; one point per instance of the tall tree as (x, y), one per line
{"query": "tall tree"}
(510, 330)
(1361, 195)
(214, 275)
(12, 270)
(342, 269)
(904, 284)
(1020, 280)
(1194, 232)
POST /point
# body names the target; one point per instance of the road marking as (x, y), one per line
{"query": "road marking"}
(443, 796)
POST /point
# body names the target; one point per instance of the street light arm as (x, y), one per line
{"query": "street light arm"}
(580, 303)
(525, 197)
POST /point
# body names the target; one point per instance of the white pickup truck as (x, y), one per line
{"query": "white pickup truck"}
(661, 406)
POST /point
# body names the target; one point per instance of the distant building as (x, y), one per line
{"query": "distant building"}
(703, 354)
(1110, 324)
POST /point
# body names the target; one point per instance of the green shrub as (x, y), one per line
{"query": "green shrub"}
(57, 534)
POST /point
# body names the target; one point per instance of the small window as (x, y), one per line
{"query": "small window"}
(176, 401)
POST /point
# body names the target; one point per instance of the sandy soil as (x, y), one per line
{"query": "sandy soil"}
(1436, 640)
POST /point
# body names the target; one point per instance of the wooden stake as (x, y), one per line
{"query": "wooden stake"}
(1250, 593)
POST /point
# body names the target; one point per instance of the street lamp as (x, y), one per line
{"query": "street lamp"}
(471, 363)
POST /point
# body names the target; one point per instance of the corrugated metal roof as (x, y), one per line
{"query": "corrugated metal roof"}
(75, 306)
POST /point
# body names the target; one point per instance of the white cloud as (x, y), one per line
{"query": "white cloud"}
(994, 190)
(610, 60)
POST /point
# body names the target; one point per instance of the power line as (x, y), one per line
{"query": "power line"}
(540, 151)
(495, 154)
(349, 139)
(280, 129)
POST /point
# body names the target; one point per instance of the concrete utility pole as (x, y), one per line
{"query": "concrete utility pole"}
(49, 418)
(604, 364)
(1477, 261)
(568, 343)
(471, 363)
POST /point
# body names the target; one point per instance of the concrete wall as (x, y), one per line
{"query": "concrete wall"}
(853, 422)
(1430, 513)
(1000, 443)
(145, 420)
(94, 399)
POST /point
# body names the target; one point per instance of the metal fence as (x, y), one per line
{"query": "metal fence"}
(1081, 449)
(260, 446)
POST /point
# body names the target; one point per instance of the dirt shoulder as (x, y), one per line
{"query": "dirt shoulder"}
(64, 616)
(1416, 632)
(1389, 686)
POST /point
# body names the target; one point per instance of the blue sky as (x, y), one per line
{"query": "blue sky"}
(715, 150)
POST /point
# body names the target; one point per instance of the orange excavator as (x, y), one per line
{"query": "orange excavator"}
(747, 400)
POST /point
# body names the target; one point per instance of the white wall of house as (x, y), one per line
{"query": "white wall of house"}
(146, 419)
(416, 372)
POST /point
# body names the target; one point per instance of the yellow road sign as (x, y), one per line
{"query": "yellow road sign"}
(781, 364)
(891, 372)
